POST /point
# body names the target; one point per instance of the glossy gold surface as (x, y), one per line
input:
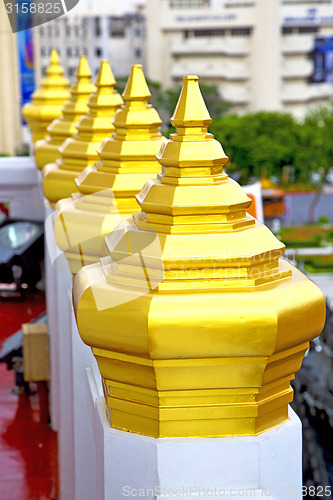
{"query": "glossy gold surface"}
(46, 150)
(196, 322)
(77, 152)
(108, 189)
(48, 100)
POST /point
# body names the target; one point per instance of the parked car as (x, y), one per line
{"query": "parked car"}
(21, 251)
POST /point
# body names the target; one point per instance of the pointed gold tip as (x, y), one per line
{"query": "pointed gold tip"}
(83, 70)
(54, 57)
(105, 76)
(136, 88)
(191, 108)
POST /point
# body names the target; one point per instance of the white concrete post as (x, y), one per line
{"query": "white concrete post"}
(268, 466)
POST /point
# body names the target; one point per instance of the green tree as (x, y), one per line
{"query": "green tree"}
(258, 144)
(314, 153)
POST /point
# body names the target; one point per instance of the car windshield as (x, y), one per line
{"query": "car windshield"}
(16, 234)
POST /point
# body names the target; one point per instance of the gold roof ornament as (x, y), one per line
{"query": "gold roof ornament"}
(48, 100)
(77, 152)
(108, 189)
(46, 151)
(200, 337)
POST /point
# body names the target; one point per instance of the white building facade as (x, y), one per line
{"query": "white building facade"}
(260, 53)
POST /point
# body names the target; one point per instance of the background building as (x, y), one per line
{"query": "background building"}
(116, 37)
(260, 54)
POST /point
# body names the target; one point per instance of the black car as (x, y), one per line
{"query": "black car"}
(21, 252)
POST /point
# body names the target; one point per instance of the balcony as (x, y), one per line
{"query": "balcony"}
(297, 44)
(298, 69)
(222, 70)
(303, 92)
(211, 45)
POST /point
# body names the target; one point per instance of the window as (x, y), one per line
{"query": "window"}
(98, 51)
(307, 29)
(117, 33)
(287, 30)
(137, 53)
(98, 28)
(207, 33)
(71, 71)
(241, 32)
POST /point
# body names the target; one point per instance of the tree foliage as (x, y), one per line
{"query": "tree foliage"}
(269, 144)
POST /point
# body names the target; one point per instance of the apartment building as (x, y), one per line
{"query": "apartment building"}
(263, 54)
(118, 38)
(273, 55)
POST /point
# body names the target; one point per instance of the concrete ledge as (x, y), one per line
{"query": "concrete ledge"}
(21, 187)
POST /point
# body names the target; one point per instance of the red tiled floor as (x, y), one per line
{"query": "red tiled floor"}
(28, 447)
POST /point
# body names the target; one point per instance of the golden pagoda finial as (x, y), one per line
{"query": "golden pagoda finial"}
(47, 101)
(83, 69)
(136, 87)
(105, 76)
(54, 58)
(191, 109)
(80, 151)
(139, 123)
(128, 160)
(46, 151)
(197, 327)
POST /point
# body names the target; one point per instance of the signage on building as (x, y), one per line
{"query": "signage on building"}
(313, 15)
(206, 17)
(323, 60)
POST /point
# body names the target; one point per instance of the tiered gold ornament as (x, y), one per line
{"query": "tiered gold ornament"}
(48, 100)
(108, 189)
(46, 151)
(203, 339)
(81, 150)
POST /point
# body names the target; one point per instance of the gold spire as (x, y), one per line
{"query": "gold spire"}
(197, 327)
(128, 160)
(195, 114)
(48, 100)
(194, 196)
(81, 150)
(133, 147)
(136, 87)
(46, 151)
